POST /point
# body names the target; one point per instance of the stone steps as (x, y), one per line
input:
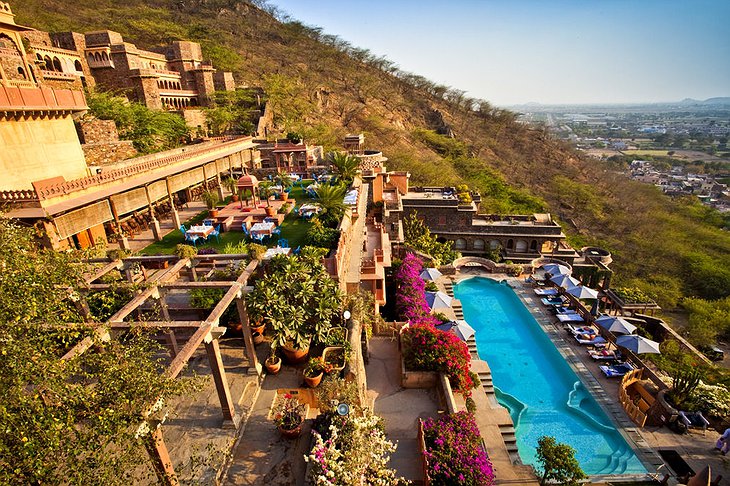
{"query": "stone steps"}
(510, 441)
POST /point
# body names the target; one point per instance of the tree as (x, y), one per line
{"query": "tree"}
(332, 201)
(344, 165)
(419, 237)
(66, 421)
(558, 462)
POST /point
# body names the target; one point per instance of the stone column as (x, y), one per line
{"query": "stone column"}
(221, 384)
(175, 216)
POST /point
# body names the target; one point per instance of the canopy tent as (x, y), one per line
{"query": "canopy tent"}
(638, 344)
(565, 281)
(617, 325)
(461, 328)
(582, 292)
(556, 269)
(438, 300)
(430, 273)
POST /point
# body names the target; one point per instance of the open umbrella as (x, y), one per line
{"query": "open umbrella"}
(461, 328)
(638, 344)
(438, 300)
(430, 274)
(582, 292)
(617, 325)
(556, 269)
(565, 281)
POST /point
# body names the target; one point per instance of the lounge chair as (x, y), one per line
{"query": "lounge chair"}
(575, 330)
(565, 311)
(617, 370)
(553, 301)
(595, 340)
(694, 420)
(570, 318)
(604, 354)
(550, 291)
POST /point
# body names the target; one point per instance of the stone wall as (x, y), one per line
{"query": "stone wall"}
(108, 153)
(224, 81)
(93, 130)
(196, 120)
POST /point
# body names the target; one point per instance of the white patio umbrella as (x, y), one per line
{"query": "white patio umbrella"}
(438, 300)
(430, 273)
(556, 269)
(617, 325)
(565, 281)
(461, 328)
(583, 292)
(638, 344)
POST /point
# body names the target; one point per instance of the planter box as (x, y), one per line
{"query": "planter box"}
(417, 379)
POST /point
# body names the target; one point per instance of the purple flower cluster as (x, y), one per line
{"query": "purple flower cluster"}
(453, 451)
(410, 299)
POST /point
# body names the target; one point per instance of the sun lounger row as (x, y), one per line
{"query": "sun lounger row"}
(555, 300)
(546, 292)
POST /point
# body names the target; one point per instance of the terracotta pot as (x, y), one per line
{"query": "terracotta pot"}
(258, 338)
(273, 365)
(257, 327)
(313, 381)
(213, 213)
(293, 355)
(234, 198)
(291, 433)
(284, 196)
(270, 211)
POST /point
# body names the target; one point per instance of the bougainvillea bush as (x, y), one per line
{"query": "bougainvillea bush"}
(426, 348)
(410, 299)
(453, 451)
(351, 450)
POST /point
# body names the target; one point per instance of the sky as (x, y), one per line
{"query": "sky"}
(545, 51)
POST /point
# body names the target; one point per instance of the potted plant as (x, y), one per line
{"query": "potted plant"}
(273, 362)
(266, 191)
(313, 372)
(244, 195)
(289, 416)
(211, 200)
(282, 179)
(232, 185)
(335, 357)
(257, 324)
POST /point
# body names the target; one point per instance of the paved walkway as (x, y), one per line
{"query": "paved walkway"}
(400, 408)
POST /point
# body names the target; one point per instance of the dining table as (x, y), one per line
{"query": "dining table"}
(262, 229)
(200, 231)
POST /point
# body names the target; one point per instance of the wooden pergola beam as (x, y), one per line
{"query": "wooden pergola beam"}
(154, 324)
(113, 265)
(100, 332)
(178, 363)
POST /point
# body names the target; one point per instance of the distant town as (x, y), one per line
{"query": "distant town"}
(682, 147)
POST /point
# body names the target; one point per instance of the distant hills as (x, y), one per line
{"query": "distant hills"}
(324, 88)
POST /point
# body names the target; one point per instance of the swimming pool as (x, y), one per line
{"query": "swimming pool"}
(533, 381)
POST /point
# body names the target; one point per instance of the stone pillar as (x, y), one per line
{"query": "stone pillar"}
(355, 369)
(156, 230)
(124, 243)
(221, 384)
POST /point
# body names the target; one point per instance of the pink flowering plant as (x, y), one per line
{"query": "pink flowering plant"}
(289, 413)
(426, 348)
(454, 454)
(410, 297)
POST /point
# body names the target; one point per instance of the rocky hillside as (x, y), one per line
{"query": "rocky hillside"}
(323, 88)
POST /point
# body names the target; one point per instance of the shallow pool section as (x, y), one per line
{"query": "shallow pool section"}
(533, 381)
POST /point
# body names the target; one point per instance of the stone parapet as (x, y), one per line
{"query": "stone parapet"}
(14, 99)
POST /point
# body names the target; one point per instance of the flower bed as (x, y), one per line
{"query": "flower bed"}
(453, 451)
(410, 299)
(426, 348)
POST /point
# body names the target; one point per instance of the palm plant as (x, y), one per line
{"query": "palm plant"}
(282, 179)
(344, 165)
(266, 190)
(331, 199)
(210, 198)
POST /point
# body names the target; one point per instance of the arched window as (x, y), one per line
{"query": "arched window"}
(21, 71)
(48, 64)
(193, 102)
(521, 246)
(104, 56)
(77, 66)
(97, 57)
(57, 65)
(460, 244)
(510, 244)
(494, 244)
(479, 244)
(533, 245)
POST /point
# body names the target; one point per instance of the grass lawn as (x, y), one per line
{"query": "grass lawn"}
(294, 229)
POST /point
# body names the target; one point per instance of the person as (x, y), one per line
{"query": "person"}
(723, 443)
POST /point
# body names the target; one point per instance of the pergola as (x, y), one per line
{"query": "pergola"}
(158, 289)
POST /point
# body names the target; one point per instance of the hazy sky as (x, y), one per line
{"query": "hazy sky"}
(546, 51)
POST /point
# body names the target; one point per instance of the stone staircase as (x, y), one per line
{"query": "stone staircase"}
(510, 442)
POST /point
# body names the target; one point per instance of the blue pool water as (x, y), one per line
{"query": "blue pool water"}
(533, 381)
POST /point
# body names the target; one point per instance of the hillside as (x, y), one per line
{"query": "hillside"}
(323, 88)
